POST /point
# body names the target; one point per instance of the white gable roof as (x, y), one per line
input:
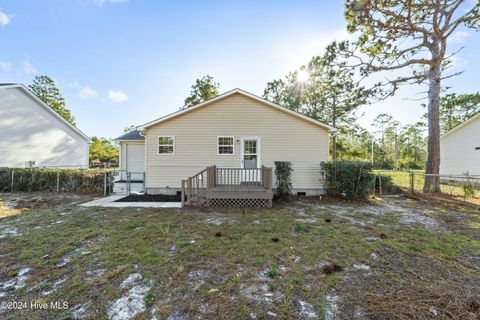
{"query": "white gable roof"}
(229, 93)
(46, 107)
(460, 126)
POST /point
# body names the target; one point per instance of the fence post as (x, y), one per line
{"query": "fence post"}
(105, 183)
(412, 183)
(374, 184)
(58, 181)
(380, 184)
(13, 174)
(128, 183)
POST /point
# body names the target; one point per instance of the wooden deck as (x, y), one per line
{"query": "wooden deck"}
(229, 187)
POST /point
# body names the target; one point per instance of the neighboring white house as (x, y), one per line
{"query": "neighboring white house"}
(233, 130)
(33, 134)
(460, 148)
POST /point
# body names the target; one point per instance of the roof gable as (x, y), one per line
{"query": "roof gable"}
(133, 135)
(42, 104)
(461, 126)
(228, 94)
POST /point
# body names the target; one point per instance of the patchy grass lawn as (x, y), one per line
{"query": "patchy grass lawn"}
(385, 259)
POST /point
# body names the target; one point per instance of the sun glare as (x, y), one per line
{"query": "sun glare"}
(302, 76)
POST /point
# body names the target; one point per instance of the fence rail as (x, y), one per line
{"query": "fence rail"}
(87, 181)
(465, 187)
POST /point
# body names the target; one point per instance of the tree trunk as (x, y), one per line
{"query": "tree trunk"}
(334, 124)
(432, 183)
(396, 149)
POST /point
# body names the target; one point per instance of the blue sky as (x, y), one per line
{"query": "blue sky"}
(120, 62)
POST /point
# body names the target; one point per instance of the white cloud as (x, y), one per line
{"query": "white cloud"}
(87, 93)
(29, 68)
(459, 37)
(5, 65)
(100, 3)
(4, 18)
(117, 96)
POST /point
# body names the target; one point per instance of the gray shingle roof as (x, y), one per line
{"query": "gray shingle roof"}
(132, 135)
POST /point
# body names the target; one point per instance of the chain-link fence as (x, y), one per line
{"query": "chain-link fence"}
(86, 181)
(129, 181)
(465, 187)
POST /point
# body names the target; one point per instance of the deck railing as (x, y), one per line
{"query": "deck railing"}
(211, 177)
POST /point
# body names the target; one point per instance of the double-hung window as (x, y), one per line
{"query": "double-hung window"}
(166, 145)
(225, 145)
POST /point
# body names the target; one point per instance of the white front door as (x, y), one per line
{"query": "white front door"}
(250, 153)
(250, 158)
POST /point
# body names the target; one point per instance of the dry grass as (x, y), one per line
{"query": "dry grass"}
(231, 263)
(419, 300)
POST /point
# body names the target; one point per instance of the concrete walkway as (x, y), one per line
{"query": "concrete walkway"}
(110, 202)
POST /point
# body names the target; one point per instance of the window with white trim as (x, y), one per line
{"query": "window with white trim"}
(225, 145)
(166, 145)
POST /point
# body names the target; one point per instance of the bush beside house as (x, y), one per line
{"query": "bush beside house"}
(349, 179)
(283, 174)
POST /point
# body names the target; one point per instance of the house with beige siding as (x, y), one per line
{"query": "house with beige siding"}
(33, 135)
(233, 130)
(460, 148)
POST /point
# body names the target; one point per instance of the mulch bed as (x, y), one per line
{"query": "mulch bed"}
(150, 198)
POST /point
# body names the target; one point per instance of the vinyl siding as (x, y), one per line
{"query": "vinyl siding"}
(132, 156)
(283, 138)
(28, 132)
(457, 150)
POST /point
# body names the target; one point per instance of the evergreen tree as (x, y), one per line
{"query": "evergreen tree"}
(44, 87)
(204, 88)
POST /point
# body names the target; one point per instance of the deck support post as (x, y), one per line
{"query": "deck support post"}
(214, 180)
(183, 193)
(189, 190)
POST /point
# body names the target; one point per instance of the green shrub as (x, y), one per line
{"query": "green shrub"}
(283, 174)
(468, 191)
(350, 179)
(386, 164)
(387, 184)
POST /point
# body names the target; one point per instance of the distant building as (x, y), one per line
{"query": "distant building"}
(460, 148)
(33, 135)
